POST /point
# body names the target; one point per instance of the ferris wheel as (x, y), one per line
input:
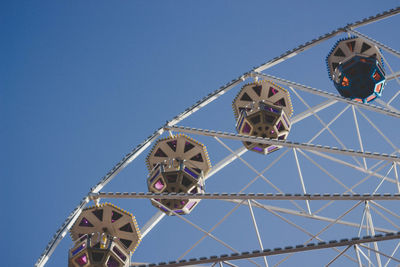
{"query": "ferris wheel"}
(298, 190)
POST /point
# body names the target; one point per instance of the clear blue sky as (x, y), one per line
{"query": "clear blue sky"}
(83, 82)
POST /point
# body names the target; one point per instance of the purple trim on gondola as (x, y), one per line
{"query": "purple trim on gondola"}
(191, 173)
(278, 126)
(82, 260)
(119, 253)
(271, 109)
(112, 262)
(190, 205)
(152, 179)
(164, 209)
(258, 149)
(287, 123)
(246, 128)
(241, 122)
(179, 211)
(193, 191)
(271, 148)
(75, 251)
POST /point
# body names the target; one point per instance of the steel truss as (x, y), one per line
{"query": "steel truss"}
(246, 196)
(306, 146)
(278, 251)
(95, 193)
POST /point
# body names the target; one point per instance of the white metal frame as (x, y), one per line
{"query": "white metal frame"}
(372, 171)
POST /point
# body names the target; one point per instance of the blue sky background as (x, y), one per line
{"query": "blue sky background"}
(83, 82)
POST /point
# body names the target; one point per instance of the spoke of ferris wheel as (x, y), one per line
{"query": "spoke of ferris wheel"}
(397, 178)
(392, 76)
(229, 213)
(200, 229)
(359, 233)
(312, 110)
(346, 164)
(377, 129)
(330, 175)
(151, 223)
(359, 135)
(303, 187)
(322, 38)
(358, 249)
(279, 251)
(318, 92)
(230, 264)
(383, 180)
(258, 173)
(384, 209)
(302, 230)
(385, 218)
(256, 229)
(372, 229)
(394, 251)
(284, 143)
(326, 227)
(358, 256)
(367, 177)
(306, 215)
(351, 188)
(380, 253)
(326, 126)
(337, 256)
(329, 157)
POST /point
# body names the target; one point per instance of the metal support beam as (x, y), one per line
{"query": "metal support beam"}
(252, 196)
(313, 216)
(151, 223)
(328, 95)
(392, 76)
(278, 251)
(313, 110)
(284, 143)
